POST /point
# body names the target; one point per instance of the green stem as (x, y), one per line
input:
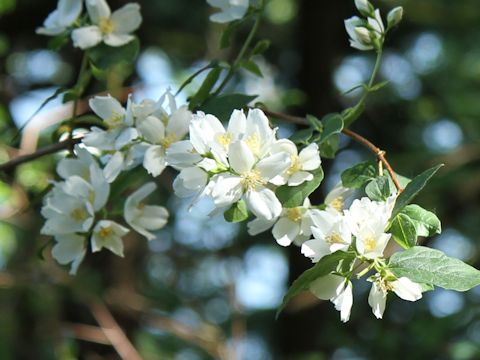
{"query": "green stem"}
(194, 75)
(80, 89)
(236, 64)
(357, 110)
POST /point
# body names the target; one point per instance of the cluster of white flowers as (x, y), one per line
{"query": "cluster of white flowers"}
(243, 162)
(114, 29)
(369, 33)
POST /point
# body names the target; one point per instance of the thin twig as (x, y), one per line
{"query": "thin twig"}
(357, 137)
(47, 150)
(87, 333)
(113, 331)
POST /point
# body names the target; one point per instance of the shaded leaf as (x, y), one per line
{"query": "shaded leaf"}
(426, 223)
(238, 212)
(293, 196)
(357, 176)
(378, 189)
(403, 231)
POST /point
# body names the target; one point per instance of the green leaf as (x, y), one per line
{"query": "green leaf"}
(351, 114)
(261, 47)
(403, 231)
(223, 106)
(59, 41)
(105, 57)
(424, 265)
(314, 123)
(332, 125)
(413, 188)
(426, 223)
(378, 189)
(227, 34)
(251, 66)
(238, 212)
(378, 86)
(357, 176)
(204, 90)
(329, 148)
(302, 137)
(324, 267)
(293, 196)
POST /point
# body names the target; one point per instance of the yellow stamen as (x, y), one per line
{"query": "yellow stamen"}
(252, 179)
(141, 206)
(106, 25)
(224, 139)
(296, 165)
(334, 238)
(79, 214)
(168, 140)
(294, 214)
(253, 143)
(105, 232)
(337, 203)
(370, 244)
(115, 120)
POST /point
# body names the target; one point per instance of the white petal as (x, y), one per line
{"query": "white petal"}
(114, 167)
(86, 37)
(69, 248)
(203, 129)
(344, 301)
(181, 155)
(310, 158)
(299, 178)
(325, 287)
(259, 225)
(127, 19)
(100, 185)
(315, 249)
(179, 122)
(226, 189)
(273, 165)
(98, 10)
(237, 124)
(241, 157)
(116, 40)
(106, 107)
(154, 161)
(377, 300)
(152, 129)
(407, 289)
(263, 203)
(285, 231)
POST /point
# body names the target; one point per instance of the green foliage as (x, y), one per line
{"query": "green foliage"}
(261, 47)
(324, 267)
(426, 223)
(403, 231)
(429, 266)
(238, 212)
(204, 90)
(359, 175)
(106, 57)
(378, 189)
(302, 137)
(293, 196)
(252, 66)
(332, 125)
(413, 188)
(223, 105)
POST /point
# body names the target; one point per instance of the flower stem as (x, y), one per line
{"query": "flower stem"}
(194, 75)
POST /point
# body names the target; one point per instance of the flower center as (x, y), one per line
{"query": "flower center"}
(334, 238)
(337, 203)
(252, 179)
(296, 165)
(224, 139)
(294, 214)
(114, 120)
(253, 143)
(105, 232)
(168, 140)
(141, 206)
(370, 243)
(79, 214)
(106, 25)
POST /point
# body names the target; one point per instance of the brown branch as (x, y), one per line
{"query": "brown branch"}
(113, 332)
(87, 333)
(357, 137)
(47, 150)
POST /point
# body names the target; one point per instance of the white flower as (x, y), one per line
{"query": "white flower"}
(364, 7)
(66, 13)
(338, 290)
(395, 16)
(108, 234)
(298, 172)
(70, 248)
(249, 178)
(403, 287)
(190, 182)
(113, 29)
(337, 198)
(376, 23)
(331, 232)
(293, 226)
(371, 241)
(230, 10)
(79, 166)
(357, 42)
(141, 217)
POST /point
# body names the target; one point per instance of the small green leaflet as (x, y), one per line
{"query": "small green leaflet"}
(356, 177)
(413, 188)
(426, 223)
(104, 57)
(302, 137)
(261, 47)
(293, 196)
(329, 148)
(204, 90)
(222, 106)
(378, 189)
(403, 231)
(332, 124)
(238, 212)
(324, 267)
(252, 66)
(424, 265)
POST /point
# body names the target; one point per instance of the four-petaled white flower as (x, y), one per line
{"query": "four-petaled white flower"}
(338, 290)
(403, 287)
(58, 21)
(112, 28)
(108, 234)
(230, 10)
(144, 218)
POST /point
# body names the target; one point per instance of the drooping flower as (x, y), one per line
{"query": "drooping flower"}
(301, 163)
(108, 234)
(230, 10)
(70, 249)
(114, 29)
(66, 13)
(338, 290)
(403, 287)
(141, 217)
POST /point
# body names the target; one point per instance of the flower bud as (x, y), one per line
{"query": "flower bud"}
(395, 16)
(364, 7)
(363, 35)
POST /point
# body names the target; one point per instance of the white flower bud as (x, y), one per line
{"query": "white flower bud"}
(363, 35)
(364, 7)
(394, 17)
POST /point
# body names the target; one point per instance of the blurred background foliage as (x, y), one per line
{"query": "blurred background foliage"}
(203, 284)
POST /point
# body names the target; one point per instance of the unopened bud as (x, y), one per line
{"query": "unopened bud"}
(395, 16)
(364, 7)
(363, 35)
